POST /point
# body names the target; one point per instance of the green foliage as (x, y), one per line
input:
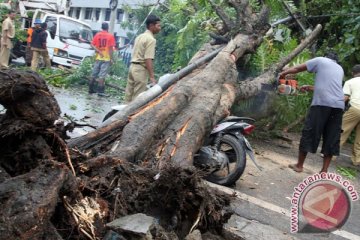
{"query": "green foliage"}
(288, 108)
(190, 38)
(341, 29)
(73, 107)
(20, 34)
(117, 77)
(118, 68)
(55, 77)
(277, 8)
(81, 74)
(348, 172)
(265, 56)
(184, 30)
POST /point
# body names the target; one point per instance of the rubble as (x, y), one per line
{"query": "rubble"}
(138, 224)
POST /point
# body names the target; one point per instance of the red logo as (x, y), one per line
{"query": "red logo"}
(325, 206)
(66, 46)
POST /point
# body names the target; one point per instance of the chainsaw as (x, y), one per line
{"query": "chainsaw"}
(287, 86)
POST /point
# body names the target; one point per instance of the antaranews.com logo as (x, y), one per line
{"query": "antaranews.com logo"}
(321, 203)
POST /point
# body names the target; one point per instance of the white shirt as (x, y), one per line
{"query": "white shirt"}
(352, 89)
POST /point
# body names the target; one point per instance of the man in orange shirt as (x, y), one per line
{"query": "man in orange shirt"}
(103, 43)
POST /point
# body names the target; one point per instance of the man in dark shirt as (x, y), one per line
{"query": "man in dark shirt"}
(38, 46)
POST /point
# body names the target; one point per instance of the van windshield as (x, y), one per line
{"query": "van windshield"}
(74, 30)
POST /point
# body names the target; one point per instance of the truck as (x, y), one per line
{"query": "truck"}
(68, 41)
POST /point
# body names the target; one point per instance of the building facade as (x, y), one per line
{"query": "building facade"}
(95, 12)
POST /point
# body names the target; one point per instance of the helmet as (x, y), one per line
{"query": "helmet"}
(37, 21)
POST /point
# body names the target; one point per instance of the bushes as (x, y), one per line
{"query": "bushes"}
(63, 77)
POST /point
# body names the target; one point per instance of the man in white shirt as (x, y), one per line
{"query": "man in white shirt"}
(325, 114)
(351, 117)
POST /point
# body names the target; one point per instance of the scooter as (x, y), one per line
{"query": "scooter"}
(224, 153)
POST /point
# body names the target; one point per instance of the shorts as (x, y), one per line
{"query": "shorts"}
(324, 122)
(101, 69)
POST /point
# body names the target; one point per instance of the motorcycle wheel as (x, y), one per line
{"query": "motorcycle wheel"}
(109, 114)
(235, 151)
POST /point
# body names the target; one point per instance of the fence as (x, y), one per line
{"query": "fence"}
(126, 57)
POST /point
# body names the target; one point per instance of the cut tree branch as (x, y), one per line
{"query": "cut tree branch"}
(250, 88)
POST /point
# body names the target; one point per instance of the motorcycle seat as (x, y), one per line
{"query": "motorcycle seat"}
(237, 119)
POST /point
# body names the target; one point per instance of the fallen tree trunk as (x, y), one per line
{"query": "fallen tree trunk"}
(174, 110)
(186, 113)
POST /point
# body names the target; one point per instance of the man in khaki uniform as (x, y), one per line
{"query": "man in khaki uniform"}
(8, 33)
(351, 118)
(141, 68)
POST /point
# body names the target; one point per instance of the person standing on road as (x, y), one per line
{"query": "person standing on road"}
(351, 118)
(38, 47)
(8, 33)
(325, 114)
(103, 43)
(28, 52)
(141, 68)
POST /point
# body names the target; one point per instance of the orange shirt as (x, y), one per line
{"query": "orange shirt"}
(104, 41)
(29, 33)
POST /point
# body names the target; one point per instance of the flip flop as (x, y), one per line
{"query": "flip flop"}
(295, 168)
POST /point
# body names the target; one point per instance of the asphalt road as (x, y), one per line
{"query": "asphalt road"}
(265, 196)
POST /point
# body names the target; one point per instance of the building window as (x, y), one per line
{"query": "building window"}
(107, 14)
(119, 15)
(97, 14)
(88, 13)
(71, 11)
(78, 10)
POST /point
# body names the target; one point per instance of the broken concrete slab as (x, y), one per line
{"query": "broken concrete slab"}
(195, 235)
(111, 235)
(138, 224)
(241, 228)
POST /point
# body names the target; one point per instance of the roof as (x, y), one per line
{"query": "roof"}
(100, 4)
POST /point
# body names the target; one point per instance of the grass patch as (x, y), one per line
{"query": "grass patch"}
(348, 172)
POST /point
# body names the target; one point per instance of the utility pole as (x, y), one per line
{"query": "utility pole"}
(113, 6)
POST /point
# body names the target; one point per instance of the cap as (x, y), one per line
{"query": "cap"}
(37, 21)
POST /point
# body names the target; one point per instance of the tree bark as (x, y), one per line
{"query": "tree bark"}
(28, 202)
(172, 128)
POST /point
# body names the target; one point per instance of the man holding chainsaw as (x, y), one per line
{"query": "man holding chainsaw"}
(325, 114)
(351, 118)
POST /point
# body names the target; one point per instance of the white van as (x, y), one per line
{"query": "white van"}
(68, 40)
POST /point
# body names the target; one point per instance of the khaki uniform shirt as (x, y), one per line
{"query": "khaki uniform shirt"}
(144, 47)
(8, 25)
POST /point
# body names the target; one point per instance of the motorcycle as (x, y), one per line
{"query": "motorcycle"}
(224, 153)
